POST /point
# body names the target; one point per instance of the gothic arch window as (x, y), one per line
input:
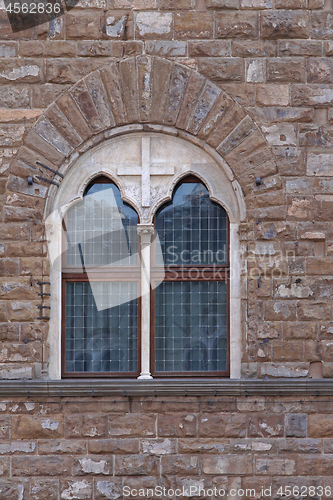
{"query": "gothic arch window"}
(148, 224)
(101, 279)
(190, 307)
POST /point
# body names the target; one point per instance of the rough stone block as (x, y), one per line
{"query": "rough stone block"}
(176, 425)
(193, 25)
(296, 425)
(275, 467)
(44, 489)
(221, 70)
(285, 24)
(154, 25)
(237, 25)
(83, 25)
(41, 466)
(136, 465)
(288, 70)
(320, 70)
(181, 464)
(134, 425)
(29, 427)
(76, 489)
(233, 465)
(62, 447)
(273, 95)
(109, 446)
(86, 426)
(321, 25)
(228, 425)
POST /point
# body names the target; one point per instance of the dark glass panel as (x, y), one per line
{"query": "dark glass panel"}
(191, 326)
(101, 339)
(102, 229)
(192, 229)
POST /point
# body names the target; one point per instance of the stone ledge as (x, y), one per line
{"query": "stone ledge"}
(165, 387)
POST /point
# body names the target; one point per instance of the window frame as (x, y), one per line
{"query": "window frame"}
(113, 272)
(156, 271)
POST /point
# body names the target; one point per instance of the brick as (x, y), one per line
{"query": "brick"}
(193, 25)
(29, 427)
(285, 24)
(135, 465)
(175, 425)
(221, 70)
(134, 425)
(237, 25)
(233, 465)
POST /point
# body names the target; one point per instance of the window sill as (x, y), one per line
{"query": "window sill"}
(165, 387)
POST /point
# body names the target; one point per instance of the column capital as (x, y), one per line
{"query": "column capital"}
(145, 231)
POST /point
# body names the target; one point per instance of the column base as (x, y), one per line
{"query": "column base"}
(145, 376)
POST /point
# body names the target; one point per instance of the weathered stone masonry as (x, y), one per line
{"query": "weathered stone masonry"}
(253, 80)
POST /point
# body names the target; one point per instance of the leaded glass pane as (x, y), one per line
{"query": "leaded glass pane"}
(191, 326)
(192, 229)
(102, 340)
(101, 229)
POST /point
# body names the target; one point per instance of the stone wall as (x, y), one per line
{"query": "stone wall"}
(66, 449)
(272, 60)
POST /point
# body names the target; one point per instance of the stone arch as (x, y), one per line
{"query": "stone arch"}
(153, 92)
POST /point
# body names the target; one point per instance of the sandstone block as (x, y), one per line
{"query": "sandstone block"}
(21, 71)
(25, 427)
(280, 310)
(273, 95)
(266, 426)
(209, 48)
(152, 25)
(4, 467)
(296, 425)
(308, 310)
(45, 489)
(176, 4)
(135, 4)
(203, 446)
(65, 71)
(176, 425)
(131, 424)
(136, 465)
(109, 446)
(62, 447)
(128, 78)
(284, 370)
(221, 70)
(166, 48)
(285, 24)
(288, 48)
(275, 467)
(93, 465)
(253, 48)
(86, 426)
(321, 25)
(193, 25)
(299, 445)
(41, 466)
(85, 103)
(288, 70)
(320, 70)
(194, 87)
(180, 464)
(83, 24)
(297, 330)
(282, 351)
(315, 465)
(76, 488)
(320, 426)
(44, 95)
(237, 25)
(228, 425)
(233, 465)
(158, 446)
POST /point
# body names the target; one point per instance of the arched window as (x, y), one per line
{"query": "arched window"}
(190, 307)
(189, 292)
(101, 279)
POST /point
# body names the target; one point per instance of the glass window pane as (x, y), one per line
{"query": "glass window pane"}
(102, 229)
(98, 339)
(191, 326)
(192, 229)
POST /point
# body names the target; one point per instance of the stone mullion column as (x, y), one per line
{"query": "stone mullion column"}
(145, 232)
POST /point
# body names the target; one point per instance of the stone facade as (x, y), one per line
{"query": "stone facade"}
(91, 449)
(252, 82)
